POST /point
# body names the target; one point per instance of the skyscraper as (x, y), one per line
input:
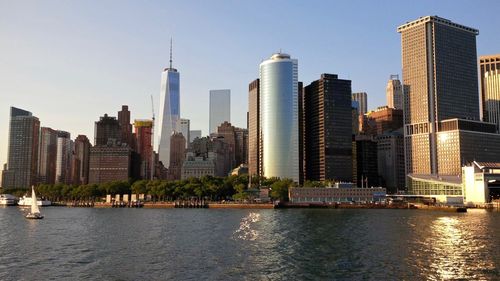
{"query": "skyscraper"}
(254, 128)
(143, 134)
(81, 160)
(279, 116)
(47, 153)
(107, 129)
(220, 108)
(394, 93)
(64, 157)
(169, 115)
(22, 163)
(328, 129)
(361, 98)
(184, 129)
(177, 156)
(125, 126)
(440, 82)
(490, 88)
(226, 133)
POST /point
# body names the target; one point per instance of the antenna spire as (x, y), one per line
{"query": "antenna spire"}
(170, 52)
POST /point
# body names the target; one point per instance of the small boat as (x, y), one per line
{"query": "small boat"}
(25, 201)
(35, 211)
(7, 200)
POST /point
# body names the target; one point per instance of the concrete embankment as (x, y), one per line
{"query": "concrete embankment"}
(240, 206)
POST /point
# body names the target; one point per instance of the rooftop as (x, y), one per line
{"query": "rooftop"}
(436, 19)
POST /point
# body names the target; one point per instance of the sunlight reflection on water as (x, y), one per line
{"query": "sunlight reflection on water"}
(245, 231)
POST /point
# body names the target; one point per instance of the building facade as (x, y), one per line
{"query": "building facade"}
(391, 160)
(64, 157)
(490, 88)
(169, 114)
(125, 126)
(143, 135)
(220, 108)
(22, 162)
(440, 82)
(107, 129)
(81, 160)
(365, 162)
(328, 129)
(177, 156)
(47, 153)
(384, 119)
(254, 144)
(109, 163)
(279, 116)
(362, 99)
(185, 130)
(394, 93)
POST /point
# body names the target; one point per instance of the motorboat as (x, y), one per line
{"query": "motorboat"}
(35, 211)
(7, 200)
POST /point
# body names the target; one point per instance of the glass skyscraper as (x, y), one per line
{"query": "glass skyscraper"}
(169, 114)
(279, 116)
(220, 108)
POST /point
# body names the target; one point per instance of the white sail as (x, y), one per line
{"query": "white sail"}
(34, 202)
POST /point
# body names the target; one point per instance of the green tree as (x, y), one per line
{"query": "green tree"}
(279, 189)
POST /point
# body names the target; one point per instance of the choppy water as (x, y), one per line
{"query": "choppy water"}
(201, 244)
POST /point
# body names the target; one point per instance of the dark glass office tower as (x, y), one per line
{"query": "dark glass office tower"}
(327, 129)
(22, 164)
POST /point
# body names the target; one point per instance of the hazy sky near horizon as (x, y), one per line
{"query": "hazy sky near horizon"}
(69, 62)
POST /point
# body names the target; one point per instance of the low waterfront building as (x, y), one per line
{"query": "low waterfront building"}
(332, 194)
(481, 182)
(198, 166)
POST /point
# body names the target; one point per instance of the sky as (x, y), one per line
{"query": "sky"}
(69, 62)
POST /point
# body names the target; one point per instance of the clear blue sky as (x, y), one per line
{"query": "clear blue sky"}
(70, 62)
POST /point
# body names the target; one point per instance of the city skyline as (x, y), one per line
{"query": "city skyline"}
(36, 59)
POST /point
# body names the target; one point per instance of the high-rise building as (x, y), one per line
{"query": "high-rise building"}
(241, 152)
(391, 160)
(254, 127)
(143, 135)
(355, 117)
(366, 162)
(47, 153)
(169, 115)
(220, 108)
(184, 129)
(177, 156)
(440, 82)
(193, 134)
(125, 126)
(328, 129)
(361, 98)
(394, 93)
(22, 162)
(107, 129)
(490, 88)
(383, 119)
(64, 157)
(279, 117)
(81, 160)
(226, 133)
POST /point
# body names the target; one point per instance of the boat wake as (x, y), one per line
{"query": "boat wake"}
(245, 232)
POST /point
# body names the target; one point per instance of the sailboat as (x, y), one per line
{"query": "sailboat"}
(35, 211)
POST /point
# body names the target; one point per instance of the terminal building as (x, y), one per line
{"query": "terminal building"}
(335, 194)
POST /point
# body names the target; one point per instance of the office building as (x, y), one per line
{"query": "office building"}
(22, 160)
(362, 99)
(365, 172)
(355, 117)
(328, 129)
(185, 130)
(125, 126)
(440, 82)
(177, 156)
(383, 119)
(47, 153)
(169, 114)
(109, 163)
(241, 152)
(226, 133)
(64, 157)
(394, 93)
(490, 88)
(254, 127)
(81, 160)
(143, 135)
(107, 129)
(220, 109)
(279, 116)
(391, 160)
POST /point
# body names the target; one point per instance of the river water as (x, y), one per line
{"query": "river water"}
(210, 244)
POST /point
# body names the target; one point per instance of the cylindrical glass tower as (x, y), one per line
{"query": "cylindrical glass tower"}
(279, 115)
